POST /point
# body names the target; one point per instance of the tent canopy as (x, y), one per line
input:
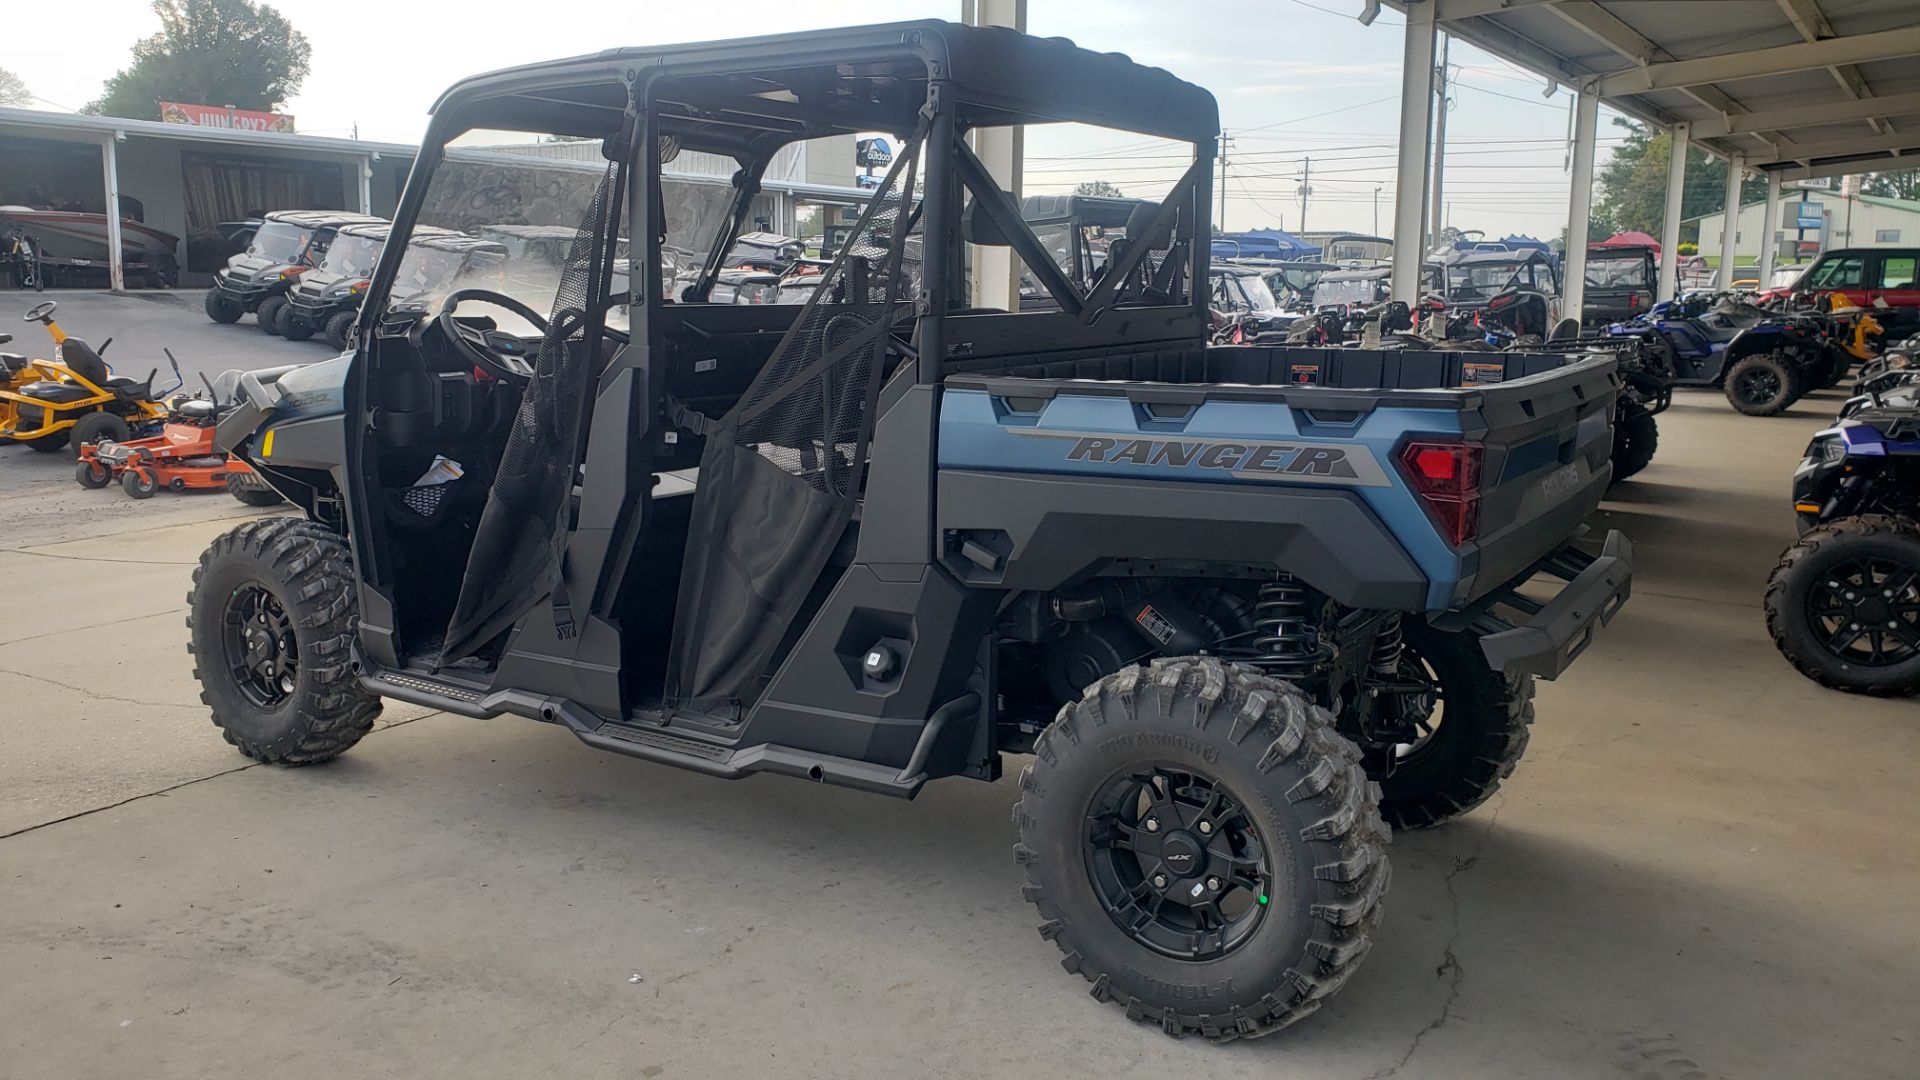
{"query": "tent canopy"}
(1630, 238)
(1262, 244)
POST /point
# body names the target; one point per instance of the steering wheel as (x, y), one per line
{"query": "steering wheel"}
(473, 344)
(42, 312)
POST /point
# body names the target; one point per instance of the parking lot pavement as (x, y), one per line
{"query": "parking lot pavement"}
(1703, 868)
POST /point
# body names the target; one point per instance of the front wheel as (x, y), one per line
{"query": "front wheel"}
(268, 314)
(1843, 605)
(250, 490)
(1203, 847)
(270, 626)
(339, 329)
(1762, 384)
(222, 308)
(1636, 435)
(291, 326)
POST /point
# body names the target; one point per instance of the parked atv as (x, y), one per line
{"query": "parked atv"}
(282, 246)
(1843, 605)
(1240, 627)
(1763, 362)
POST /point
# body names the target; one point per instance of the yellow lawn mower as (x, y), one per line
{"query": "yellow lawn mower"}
(75, 399)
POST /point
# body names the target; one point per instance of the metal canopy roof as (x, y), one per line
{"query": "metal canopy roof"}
(1800, 87)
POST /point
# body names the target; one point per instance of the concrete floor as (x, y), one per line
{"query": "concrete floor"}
(1703, 869)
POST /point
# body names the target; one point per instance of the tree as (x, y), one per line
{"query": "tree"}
(1097, 187)
(1901, 184)
(1633, 183)
(210, 52)
(13, 91)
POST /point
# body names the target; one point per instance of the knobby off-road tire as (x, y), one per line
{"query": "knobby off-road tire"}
(1821, 557)
(221, 309)
(251, 492)
(1763, 384)
(300, 576)
(292, 327)
(1636, 435)
(1483, 717)
(268, 314)
(1302, 797)
(338, 328)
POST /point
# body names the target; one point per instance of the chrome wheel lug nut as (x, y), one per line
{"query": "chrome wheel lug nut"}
(1206, 828)
(1213, 883)
(1159, 881)
(1153, 824)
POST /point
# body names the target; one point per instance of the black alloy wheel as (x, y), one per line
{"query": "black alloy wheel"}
(1866, 612)
(262, 654)
(1176, 862)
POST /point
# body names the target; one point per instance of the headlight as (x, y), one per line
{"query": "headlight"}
(1828, 450)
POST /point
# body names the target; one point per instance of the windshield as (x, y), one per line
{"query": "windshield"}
(1298, 280)
(353, 256)
(1618, 272)
(1480, 279)
(1259, 297)
(1332, 290)
(1786, 275)
(277, 241)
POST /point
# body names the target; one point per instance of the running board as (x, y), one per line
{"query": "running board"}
(646, 742)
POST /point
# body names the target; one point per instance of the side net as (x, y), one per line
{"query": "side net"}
(514, 562)
(782, 472)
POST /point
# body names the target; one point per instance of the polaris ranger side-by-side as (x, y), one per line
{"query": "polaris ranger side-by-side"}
(284, 245)
(886, 537)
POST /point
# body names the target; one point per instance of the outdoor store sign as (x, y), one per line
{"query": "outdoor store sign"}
(218, 116)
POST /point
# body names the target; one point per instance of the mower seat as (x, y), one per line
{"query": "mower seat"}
(55, 393)
(11, 362)
(130, 389)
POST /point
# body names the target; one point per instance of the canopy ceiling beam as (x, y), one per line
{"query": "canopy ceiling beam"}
(1756, 63)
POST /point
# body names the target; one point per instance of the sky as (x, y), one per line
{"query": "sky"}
(1297, 81)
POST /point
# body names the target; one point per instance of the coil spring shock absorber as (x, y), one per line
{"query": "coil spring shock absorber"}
(1286, 637)
(1385, 661)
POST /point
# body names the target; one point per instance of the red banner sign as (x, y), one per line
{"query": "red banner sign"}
(215, 116)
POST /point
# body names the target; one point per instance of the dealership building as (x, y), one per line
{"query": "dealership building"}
(184, 179)
(1813, 220)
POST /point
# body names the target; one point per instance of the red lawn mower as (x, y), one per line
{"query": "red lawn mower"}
(182, 457)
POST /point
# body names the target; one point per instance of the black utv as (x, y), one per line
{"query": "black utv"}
(324, 299)
(1231, 630)
(284, 245)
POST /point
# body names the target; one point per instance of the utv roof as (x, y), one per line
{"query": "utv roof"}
(1103, 210)
(1479, 258)
(319, 219)
(532, 232)
(378, 229)
(996, 75)
(1361, 274)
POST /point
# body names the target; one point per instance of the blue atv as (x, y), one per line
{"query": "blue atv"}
(1844, 604)
(1763, 362)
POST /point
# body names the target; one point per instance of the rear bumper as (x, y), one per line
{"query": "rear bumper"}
(1557, 630)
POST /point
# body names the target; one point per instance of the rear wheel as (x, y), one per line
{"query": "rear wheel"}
(268, 314)
(1470, 730)
(250, 490)
(1635, 437)
(339, 328)
(1843, 606)
(221, 308)
(1763, 384)
(292, 326)
(270, 624)
(1203, 847)
(95, 426)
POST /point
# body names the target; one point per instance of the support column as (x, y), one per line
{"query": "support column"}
(1769, 221)
(1586, 116)
(110, 179)
(1437, 208)
(1412, 176)
(1730, 231)
(365, 168)
(1682, 136)
(996, 274)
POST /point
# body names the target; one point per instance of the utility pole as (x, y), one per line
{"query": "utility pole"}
(1440, 139)
(1221, 222)
(1305, 189)
(1376, 209)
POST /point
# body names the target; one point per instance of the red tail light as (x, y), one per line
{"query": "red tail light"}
(1633, 301)
(1446, 477)
(1501, 300)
